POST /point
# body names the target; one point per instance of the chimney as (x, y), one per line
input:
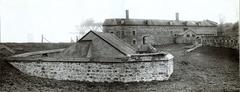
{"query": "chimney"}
(177, 16)
(127, 14)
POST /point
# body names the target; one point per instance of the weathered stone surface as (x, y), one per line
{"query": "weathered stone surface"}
(99, 72)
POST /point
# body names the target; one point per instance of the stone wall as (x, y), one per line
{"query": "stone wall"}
(161, 34)
(98, 71)
(185, 40)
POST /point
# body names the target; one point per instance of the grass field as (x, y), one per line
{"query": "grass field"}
(204, 69)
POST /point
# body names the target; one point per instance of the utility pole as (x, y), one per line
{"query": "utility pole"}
(0, 29)
(42, 38)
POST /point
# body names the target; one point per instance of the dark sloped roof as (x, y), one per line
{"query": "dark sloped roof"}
(80, 49)
(115, 42)
(154, 22)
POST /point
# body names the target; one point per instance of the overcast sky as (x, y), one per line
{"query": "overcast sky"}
(26, 20)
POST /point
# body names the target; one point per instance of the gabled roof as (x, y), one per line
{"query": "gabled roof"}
(184, 32)
(115, 42)
(80, 49)
(155, 22)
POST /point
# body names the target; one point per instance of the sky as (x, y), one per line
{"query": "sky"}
(57, 20)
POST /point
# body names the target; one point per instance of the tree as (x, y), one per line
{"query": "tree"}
(220, 27)
(235, 26)
(87, 25)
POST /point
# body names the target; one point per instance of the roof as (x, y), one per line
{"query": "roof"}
(80, 49)
(38, 53)
(184, 32)
(115, 42)
(155, 22)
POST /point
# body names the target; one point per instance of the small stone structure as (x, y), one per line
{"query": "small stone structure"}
(187, 36)
(129, 71)
(96, 57)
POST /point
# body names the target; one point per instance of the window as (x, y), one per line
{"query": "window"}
(188, 35)
(122, 32)
(144, 39)
(193, 35)
(134, 42)
(111, 32)
(146, 22)
(118, 33)
(133, 32)
(122, 21)
(175, 34)
(184, 29)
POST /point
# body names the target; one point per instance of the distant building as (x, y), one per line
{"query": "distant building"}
(156, 32)
(187, 36)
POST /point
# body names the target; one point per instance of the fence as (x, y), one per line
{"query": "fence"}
(221, 41)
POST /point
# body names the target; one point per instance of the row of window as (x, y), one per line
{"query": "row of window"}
(133, 33)
(188, 35)
(123, 33)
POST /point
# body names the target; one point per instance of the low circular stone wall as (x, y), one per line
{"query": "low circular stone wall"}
(98, 71)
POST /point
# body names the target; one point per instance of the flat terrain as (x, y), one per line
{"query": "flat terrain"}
(27, 47)
(204, 69)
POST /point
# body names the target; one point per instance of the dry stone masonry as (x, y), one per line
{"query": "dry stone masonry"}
(98, 71)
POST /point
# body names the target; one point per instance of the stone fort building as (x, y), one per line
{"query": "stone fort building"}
(158, 32)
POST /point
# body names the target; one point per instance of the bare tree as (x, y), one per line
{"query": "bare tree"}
(87, 25)
(220, 27)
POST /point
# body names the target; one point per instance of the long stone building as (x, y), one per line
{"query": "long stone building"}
(157, 32)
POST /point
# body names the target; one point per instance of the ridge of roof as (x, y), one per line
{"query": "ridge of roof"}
(114, 41)
(156, 22)
(187, 31)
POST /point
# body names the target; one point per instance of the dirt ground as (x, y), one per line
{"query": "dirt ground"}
(206, 69)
